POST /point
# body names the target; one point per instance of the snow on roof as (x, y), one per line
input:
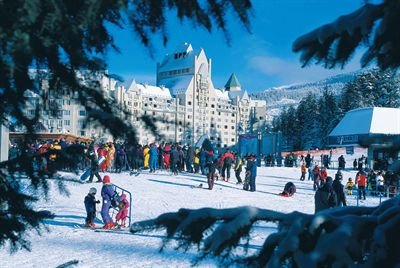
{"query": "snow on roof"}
(258, 103)
(183, 58)
(372, 120)
(148, 90)
(177, 83)
(224, 95)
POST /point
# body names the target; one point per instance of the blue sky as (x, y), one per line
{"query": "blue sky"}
(260, 59)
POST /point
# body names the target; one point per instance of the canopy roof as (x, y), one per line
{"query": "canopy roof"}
(362, 122)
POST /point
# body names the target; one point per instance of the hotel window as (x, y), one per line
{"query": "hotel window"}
(82, 113)
(67, 122)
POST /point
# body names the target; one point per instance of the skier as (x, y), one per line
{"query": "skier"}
(90, 206)
(350, 186)
(361, 181)
(153, 158)
(94, 164)
(174, 160)
(202, 160)
(107, 193)
(212, 166)
(146, 156)
(227, 159)
(238, 169)
(251, 173)
(303, 172)
(380, 182)
(342, 162)
(316, 175)
(123, 211)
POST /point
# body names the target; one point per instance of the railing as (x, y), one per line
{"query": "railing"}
(121, 191)
(386, 193)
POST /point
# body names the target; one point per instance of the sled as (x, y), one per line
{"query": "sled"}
(86, 174)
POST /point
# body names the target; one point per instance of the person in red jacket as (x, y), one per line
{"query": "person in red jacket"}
(361, 181)
(323, 174)
(227, 160)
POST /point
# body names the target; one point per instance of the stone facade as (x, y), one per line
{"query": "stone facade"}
(185, 104)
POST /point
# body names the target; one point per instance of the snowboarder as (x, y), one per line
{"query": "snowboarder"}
(90, 206)
(123, 211)
(107, 193)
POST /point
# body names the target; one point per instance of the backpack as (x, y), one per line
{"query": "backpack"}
(115, 199)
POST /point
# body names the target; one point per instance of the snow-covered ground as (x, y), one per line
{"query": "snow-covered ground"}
(154, 194)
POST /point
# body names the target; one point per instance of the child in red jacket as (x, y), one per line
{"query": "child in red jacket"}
(123, 211)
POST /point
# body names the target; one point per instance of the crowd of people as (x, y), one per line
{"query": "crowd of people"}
(117, 157)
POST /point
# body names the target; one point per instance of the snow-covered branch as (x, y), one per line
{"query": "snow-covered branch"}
(338, 237)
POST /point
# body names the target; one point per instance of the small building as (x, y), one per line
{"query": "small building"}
(375, 128)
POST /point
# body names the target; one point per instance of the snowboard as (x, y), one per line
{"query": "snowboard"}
(200, 186)
(86, 174)
(246, 181)
(136, 173)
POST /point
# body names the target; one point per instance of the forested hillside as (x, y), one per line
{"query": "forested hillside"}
(307, 124)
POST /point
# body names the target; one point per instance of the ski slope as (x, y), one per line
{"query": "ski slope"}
(154, 194)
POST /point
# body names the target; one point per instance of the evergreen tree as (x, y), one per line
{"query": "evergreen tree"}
(328, 116)
(307, 123)
(375, 25)
(68, 42)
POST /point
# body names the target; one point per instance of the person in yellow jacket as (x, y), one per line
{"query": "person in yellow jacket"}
(146, 156)
(350, 186)
(52, 167)
(303, 172)
(110, 156)
(54, 146)
(196, 161)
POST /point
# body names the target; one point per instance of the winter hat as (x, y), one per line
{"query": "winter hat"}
(92, 191)
(106, 179)
(123, 196)
(329, 180)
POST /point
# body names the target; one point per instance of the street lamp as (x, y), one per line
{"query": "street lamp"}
(259, 148)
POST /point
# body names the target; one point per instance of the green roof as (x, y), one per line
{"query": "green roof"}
(232, 82)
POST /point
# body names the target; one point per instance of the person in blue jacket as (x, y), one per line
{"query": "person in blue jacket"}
(202, 157)
(153, 158)
(107, 192)
(252, 168)
(90, 205)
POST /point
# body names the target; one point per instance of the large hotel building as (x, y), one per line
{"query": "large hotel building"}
(185, 104)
